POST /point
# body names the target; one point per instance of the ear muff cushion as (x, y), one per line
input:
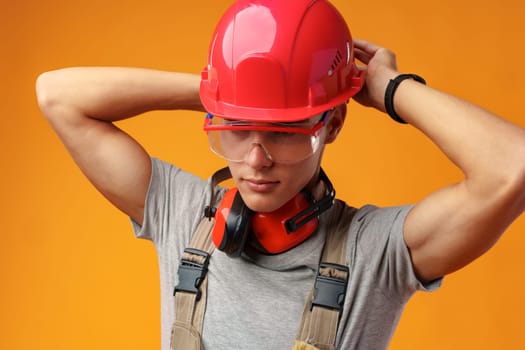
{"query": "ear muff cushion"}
(232, 224)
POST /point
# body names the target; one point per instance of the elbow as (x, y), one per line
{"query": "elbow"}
(516, 178)
(502, 183)
(517, 184)
(47, 93)
(512, 181)
(43, 95)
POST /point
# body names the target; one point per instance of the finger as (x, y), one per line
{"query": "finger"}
(366, 46)
(362, 56)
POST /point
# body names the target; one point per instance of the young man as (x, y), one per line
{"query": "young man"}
(278, 77)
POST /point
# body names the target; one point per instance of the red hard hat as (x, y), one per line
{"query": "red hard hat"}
(283, 61)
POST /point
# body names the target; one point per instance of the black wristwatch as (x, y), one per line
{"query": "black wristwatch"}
(390, 91)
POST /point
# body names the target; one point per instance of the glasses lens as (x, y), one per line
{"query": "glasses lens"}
(282, 142)
(283, 147)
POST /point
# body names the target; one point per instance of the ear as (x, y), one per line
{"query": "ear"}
(335, 123)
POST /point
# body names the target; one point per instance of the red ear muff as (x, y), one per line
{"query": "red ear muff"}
(232, 224)
(272, 230)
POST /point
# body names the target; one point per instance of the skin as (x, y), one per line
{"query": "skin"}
(445, 231)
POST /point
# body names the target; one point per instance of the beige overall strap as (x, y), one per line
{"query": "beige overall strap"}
(190, 304)
(318, 328)
(190, 293)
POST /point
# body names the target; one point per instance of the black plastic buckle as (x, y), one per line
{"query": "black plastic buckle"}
(329, 292)
(191, 274)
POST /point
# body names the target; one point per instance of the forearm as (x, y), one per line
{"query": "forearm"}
(115, 93)
(489, 150)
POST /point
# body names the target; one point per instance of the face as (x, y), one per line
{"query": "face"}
(266, 185)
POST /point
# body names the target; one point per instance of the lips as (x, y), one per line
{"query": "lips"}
(260, 185)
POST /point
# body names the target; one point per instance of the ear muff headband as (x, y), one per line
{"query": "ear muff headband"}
(314, 210)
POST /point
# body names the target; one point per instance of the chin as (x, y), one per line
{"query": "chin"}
(262, 204)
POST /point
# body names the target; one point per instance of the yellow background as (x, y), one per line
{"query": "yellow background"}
(71, 274)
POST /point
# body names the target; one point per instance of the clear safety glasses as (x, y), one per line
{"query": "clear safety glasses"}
(233, 140)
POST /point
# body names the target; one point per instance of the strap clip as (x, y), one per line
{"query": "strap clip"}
(191, 273)
(330, 286)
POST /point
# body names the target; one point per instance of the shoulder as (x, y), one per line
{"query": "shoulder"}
(168, 180)
(164, 170)
(373, 227)
(371, 215)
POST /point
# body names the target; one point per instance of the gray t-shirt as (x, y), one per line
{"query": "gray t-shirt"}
(257, 302)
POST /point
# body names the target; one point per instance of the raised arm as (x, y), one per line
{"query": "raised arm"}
(458, 223)
(81, 104)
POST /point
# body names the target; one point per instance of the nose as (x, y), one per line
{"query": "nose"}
(257, 156)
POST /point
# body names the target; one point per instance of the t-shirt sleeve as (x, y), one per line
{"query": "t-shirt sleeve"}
(380, 243)
(172, 194)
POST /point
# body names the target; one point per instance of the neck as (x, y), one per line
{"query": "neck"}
(316, 187)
